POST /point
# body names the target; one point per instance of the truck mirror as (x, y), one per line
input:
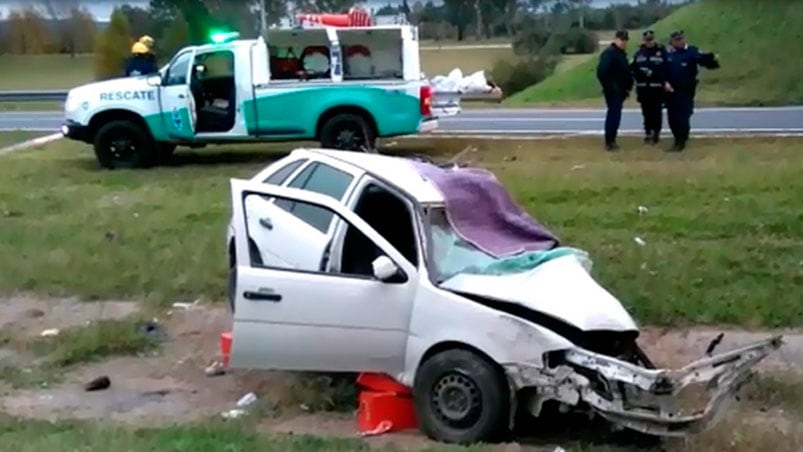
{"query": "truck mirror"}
(154, 80)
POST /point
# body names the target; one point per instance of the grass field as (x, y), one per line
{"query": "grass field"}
(723, 232)
(759, 67)
(62, 72)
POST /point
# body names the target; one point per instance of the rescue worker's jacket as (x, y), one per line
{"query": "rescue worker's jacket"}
(613, 71)
(649, 67)
(140, 64)
(682, 67)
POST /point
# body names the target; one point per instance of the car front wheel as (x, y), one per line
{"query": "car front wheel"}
(124, 144)
(460, 397)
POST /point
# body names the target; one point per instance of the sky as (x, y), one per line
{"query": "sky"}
(102, 9)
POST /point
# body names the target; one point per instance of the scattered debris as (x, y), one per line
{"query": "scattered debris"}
(639, 241)
(577, 167)
(152, 328)
(383, 427)
(714, 344)
(183, 305)
(246, 400)
(232, 414)
(215, 369)
(98, 384)
(558, 449)
(642, 210)
(34, 313)
(50, 332)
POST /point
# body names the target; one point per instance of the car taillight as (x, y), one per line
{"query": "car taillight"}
(425, 97)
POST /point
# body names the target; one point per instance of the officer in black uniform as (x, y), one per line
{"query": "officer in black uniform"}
(682, 62)
(613, 73)
(649, 71)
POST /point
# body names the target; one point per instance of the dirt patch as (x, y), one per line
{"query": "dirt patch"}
(26, 316)
(171, 387)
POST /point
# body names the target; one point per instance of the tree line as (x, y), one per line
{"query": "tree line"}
(66, 26)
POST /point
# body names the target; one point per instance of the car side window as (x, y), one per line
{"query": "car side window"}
(283, 173)
(320, 178)
(177, 72)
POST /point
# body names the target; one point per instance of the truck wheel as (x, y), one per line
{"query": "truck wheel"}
(124, 144)
(348, 132)
(461, 398)
(164, 151)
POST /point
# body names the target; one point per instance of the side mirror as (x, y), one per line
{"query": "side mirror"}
(154, 80)
(384, 268)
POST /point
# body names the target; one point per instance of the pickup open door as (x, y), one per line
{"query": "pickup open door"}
(175, 97)
(317, 321)
(260, 77)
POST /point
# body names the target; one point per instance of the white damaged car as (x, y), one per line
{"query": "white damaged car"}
(357, 262)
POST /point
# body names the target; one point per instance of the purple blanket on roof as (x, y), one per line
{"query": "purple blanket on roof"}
(482, 212)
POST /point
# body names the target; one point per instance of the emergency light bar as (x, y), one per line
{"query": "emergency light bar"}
(221, 37)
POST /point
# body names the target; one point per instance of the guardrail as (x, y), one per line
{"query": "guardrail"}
(61, 95)
(33, 96)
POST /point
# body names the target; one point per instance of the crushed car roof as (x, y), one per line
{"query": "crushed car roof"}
(397, 171)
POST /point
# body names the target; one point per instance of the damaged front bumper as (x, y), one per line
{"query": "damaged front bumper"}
(646, 400)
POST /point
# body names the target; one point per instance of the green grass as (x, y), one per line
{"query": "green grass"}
(723, 232)
(752, 39)
(23, 72)
(11, 138)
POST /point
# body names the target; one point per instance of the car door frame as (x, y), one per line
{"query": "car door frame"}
(173, 117)
(371, 349)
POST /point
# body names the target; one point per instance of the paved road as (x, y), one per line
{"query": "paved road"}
(504, 121)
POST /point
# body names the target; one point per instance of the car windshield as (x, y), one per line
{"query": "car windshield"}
(450, 254)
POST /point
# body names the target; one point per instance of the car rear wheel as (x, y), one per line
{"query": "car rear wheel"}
(348, 132)
(460, 397)
(124, 144)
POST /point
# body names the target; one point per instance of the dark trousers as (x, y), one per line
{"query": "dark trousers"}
(679, 108)
(652, 104)
(613, 118)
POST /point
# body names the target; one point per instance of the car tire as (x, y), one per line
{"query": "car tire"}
(348, 132)
(124, 144)
(460, 397)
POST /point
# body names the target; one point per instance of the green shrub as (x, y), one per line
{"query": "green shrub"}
(572, 41)
(112, 47)
(530, 41)
(518, 74)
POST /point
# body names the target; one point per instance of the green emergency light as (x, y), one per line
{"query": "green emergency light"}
(220, 37)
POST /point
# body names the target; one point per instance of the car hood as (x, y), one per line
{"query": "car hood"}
(122, 84)
(561, 288)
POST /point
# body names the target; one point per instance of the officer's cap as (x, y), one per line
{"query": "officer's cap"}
(622, 34)
(677, 34)
(648, 35)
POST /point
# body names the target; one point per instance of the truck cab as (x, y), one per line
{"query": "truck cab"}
(342, 86)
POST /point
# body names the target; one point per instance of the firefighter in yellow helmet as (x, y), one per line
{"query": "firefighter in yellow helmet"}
(141, 61)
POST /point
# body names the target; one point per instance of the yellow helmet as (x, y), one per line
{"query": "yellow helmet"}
(147, 40)
(139, 49)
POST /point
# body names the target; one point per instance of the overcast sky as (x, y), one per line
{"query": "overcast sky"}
(102, 9)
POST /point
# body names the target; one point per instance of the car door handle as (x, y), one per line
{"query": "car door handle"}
(266, 223)
(262, 296)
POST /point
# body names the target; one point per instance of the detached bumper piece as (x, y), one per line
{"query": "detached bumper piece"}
(649, 400)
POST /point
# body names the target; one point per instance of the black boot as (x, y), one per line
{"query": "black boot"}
(656, 137)
(679, 146)
(611, 147)
(648, 137)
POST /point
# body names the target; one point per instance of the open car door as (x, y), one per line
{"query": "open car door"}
(296, 319)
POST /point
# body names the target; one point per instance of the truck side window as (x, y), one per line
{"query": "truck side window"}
(283, 173)
(177, 72)
(320, 178)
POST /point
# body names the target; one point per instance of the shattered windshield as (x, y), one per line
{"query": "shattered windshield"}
(450, 254)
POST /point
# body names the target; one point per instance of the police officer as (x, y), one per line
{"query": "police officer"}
(682, 62)
(613, 73)
(140, 63)
(649, 71)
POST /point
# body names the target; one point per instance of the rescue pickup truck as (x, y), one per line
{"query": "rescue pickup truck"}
(343, 87)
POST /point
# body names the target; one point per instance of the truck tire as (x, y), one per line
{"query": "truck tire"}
(348, 132)
(124, 144)
(164, 151)
(462, 398)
